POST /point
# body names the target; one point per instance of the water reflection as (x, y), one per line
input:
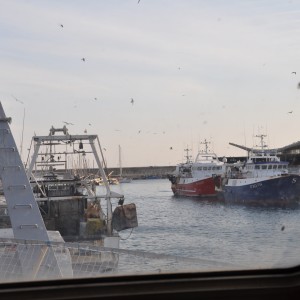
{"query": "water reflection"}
(248, 236)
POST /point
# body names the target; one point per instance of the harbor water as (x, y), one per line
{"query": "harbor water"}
(209, 230)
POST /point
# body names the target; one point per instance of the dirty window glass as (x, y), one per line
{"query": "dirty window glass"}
(105, 106)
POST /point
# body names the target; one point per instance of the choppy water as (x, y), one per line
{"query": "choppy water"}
(249, 237)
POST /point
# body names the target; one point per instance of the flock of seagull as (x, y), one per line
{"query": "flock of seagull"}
(131, 100)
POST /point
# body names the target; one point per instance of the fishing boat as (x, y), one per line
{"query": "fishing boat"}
(262, 179)
(63, 185)
(29, 247)
(199, 178)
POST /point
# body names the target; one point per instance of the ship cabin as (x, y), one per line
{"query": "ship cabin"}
(183, 170)
(264, 164)
(207, 165)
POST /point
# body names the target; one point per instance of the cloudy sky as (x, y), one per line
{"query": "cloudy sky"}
(215, 70)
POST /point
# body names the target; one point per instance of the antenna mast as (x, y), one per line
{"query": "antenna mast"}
(187, 156)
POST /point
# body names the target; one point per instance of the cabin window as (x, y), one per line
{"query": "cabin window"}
(199, 168)
(261, 159)
(257, 167)
(279, 166)
(213, 168)
(270, 167)
(204, 168)
(274, 167)
(264, 167)
(209, 168)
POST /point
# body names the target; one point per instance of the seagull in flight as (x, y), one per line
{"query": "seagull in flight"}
(83, 59)
(17, 99)
(294, 73)
(171, 148)
(68, 123)
(61, 25)
(289, 112)
(132, 101)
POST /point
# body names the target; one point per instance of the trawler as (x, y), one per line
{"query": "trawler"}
(262, 179)
(201, 178)
(33, 242)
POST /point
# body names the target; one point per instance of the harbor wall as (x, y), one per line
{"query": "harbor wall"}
(142, 172)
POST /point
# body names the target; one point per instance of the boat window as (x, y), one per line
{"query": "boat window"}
(204, 168)
(260, 159)
(257, 167)
(274, 167)
(279, 166)
(213, 168)
(209, 168)
(199, 168)
(270, 167)
(264, 167)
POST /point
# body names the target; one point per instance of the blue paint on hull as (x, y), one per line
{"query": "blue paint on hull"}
(280, 190)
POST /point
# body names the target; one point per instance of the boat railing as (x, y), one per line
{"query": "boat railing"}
(87, 260)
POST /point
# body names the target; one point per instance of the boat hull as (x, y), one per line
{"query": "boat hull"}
(279, 190)
(200, 188)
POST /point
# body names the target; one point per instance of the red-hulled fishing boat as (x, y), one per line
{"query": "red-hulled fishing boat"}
(199, 178)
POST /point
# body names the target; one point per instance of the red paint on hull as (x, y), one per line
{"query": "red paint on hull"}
(204, 187)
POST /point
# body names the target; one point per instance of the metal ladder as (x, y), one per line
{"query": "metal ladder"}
(26, 220)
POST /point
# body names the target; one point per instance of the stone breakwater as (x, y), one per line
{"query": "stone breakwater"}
(134, 172)
(143, 172)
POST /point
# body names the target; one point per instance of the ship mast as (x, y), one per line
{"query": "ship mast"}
(206, 146)
(187, 156)
(262, 143)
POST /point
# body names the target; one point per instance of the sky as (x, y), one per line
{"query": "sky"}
(197, 70)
